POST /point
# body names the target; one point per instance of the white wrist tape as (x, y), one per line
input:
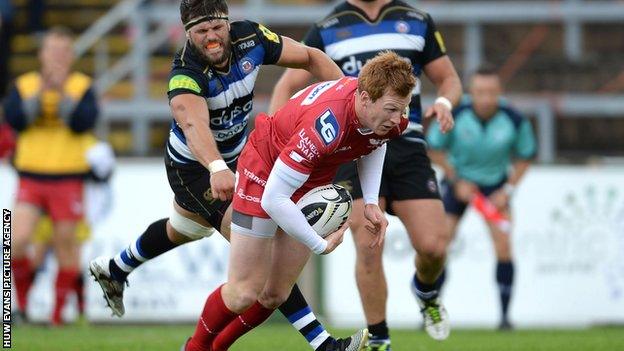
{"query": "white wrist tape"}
(217, 166)
(444, 101)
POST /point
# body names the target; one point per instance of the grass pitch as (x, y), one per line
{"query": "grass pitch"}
(284, 337)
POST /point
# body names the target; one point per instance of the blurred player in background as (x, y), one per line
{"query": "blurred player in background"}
(211, 88)
(97, 195)
(353, 33)
(297, 149)
(476, 157)
(52, 110)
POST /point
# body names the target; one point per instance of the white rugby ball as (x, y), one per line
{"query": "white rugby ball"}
(326, 208)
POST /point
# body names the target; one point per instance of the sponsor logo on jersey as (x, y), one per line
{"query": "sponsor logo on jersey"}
(246, 197)
(344, 148)
(246, 65)
(327, 127)
(352, 65)
(329, 23)
(247, 44)
(306, 146)
(343, 33)
(228, 115)
(181, 81)
(268, 34)
(402, 27)
(296, 157)
(254, 178)
(377, 142)
(317, 91)
(225, 134)
(440, 41)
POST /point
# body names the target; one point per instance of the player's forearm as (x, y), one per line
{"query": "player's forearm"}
(519, 169)
(451, 88)
(370, 168)
(291, 81)
(281, 185)
(321, 66)
(201, 142)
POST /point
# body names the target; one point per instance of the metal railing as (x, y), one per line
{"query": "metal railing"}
(572, 14)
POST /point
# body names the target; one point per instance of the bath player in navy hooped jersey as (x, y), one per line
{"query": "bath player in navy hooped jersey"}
(298, 148)
(210, 91)
(351, 34)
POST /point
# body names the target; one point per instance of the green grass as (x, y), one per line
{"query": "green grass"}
(283, 337)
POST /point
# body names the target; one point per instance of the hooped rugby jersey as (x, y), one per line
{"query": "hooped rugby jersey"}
(317, 131)
(229, 94)
(350, 38)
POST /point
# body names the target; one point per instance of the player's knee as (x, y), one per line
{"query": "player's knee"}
(270, 298)
(432, 250)
(369, 258)
(243, 299)
(185, 229)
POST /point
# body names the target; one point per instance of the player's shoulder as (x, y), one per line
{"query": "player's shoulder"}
(242, 29)
(405, 11)
(187, 59)
(514, 115)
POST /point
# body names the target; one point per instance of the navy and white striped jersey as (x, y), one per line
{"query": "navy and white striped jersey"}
(350, 38)
(229, 94)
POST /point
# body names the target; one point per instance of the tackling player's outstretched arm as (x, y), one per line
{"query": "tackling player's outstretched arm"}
(291, 81)
(297, 55)
(191, 114)
(443, 75)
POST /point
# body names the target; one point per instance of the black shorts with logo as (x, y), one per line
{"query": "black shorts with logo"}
(407, 174)
(191, 185)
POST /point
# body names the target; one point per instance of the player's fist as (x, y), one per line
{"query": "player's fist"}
(222, 184)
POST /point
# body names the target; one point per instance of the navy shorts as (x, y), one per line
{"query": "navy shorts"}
(407, 174)
(453, 206)
(191, 186)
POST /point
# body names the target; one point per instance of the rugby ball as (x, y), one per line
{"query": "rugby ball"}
(326, 208)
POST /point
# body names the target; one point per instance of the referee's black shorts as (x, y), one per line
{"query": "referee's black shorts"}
(407, 174)
(191, 186)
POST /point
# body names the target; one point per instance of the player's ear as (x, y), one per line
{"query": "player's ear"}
(366, 99)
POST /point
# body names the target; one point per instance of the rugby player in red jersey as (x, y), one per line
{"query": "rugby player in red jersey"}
(297, 149)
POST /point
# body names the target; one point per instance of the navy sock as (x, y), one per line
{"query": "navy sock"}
(504, 278)
(300, 315)
(379, 331)
(428, 292)
(153, 242)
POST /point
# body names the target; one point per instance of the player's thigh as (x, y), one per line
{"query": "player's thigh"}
(408, 174)
(25, 218)
(186, 226)
(426, 224)
(193, 197)
(250, 260)
(65, 243)
(288, 257)
(502, 240)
